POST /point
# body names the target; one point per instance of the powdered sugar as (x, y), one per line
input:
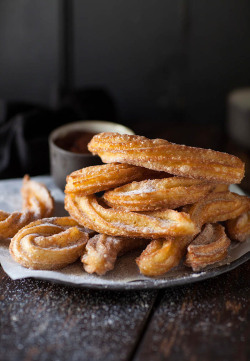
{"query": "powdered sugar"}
(125, 274)
(140, 190)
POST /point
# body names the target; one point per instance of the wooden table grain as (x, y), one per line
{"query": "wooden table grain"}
(205, 321)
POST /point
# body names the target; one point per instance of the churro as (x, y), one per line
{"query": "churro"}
(37, 203)
(148, 195)
(101, 251)
(209, 247)
(86, 210)
(49, 243)
(161, 155)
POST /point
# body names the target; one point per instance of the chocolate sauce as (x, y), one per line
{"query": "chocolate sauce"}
(75, 141)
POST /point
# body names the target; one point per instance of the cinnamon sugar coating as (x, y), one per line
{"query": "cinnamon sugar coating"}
(238, 228)
(87, 211)
(10, 223)
(161, 255)
(209, 247)
(37, 203)
(147, 195)
(49, 243)
(161, 155)
(102, 177)
(218, 207)
(36, 198)
(101, 252)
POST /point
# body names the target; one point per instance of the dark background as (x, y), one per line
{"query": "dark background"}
(151, 55)
(162, 62)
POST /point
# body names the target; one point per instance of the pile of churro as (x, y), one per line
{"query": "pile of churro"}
(171, 201)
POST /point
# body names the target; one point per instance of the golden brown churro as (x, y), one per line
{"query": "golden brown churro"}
(209, 247)
(37, 203)
(10, 223)
(87, 211)
(161, 255)
(218, 207)
(49, 243)
(102, 177)
(161, 155)
(101, 252)
(148, 195)
(37, 198)
(238, 228)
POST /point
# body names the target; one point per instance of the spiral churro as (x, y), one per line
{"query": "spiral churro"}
(218, 207)
(36, 198)
(161, 255)
(49, 243)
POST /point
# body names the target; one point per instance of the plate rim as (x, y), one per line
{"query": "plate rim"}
(150, 284)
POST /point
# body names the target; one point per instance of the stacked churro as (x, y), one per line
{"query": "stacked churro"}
(175, 208)
(172, 200)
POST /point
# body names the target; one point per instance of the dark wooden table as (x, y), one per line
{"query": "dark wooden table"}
(206, 321)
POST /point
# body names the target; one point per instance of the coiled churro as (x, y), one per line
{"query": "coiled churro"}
(49, 243)
(10, 223)
(161, 255)
(218, 207)
(36, 198)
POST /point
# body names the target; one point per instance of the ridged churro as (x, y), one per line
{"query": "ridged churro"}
(238, 228)
(49, 243)
(148, 195)
(37, 203)
(102, 177)
(86, 210)
(218, 207)
(101, 251)
(209, 247)
(161, 155)
(161, 255)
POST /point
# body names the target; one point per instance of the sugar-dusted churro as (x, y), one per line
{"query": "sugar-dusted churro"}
(37, 203)
(147, 195)
(49, 243)
(209, 247)
(101, 251)
(161, 155)
(86, 210)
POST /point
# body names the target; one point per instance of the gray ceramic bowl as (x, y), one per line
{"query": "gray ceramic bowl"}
(64, 162)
